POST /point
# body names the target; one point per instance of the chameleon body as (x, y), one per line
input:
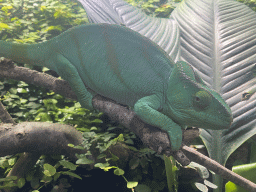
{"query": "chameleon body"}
(123, 65)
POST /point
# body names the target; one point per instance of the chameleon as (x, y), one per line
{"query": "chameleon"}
(121, 64)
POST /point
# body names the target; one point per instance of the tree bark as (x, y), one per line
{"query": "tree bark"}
(39, 138)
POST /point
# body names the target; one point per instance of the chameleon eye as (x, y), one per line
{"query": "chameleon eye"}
(202, 99)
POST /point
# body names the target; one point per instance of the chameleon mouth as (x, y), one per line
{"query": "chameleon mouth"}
(208, 121)
(223, 122)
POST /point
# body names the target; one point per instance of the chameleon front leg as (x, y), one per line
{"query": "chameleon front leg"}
(68, 72)
(146, 108)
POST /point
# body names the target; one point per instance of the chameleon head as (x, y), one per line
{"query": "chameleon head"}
(189, 102)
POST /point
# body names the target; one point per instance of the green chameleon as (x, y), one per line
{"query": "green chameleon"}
(122, 65)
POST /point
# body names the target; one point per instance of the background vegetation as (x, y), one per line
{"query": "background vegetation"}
(30, 21)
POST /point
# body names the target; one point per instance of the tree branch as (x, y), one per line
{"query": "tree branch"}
(39, 138)
(10, 71)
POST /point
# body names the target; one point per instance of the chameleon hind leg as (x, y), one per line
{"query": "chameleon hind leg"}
(146, 108)
(68, 72)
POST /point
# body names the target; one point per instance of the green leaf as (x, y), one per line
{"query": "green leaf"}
(84, 160)
(23, 101)
(50, 101)
(247, 171)
(203, 172)
(4, 163)
(4, 26)
(132, 148)
(46, 179)
(35, 183)
(100, 156)
(170, 173)
(43, 117)
(58, 28)
(210, 184)
(101, 165)
(79, 147)
(112, 142)
(30, 175)
(33, 105)
(68, 165)
(93, 129)
(72, 174)
(12, 161)
(33, 98)
(13, 91)
(201, 187)
(120, 137)
(6, 7)
(96, 121)
(132, 184)
(129, 141)
(142, 188)
(21, 90)
(114, 157)
(10, 178)
(83, 129)
(56, 176)
(8, 184)
(253, 153)
(49, 170)
(104, 166)
(71, 145)
(21, 182)
(134, 162)
(232, 187)
(118, 171)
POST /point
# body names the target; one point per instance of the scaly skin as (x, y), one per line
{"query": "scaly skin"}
(122, 65)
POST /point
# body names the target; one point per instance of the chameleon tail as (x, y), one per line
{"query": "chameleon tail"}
(35, 54)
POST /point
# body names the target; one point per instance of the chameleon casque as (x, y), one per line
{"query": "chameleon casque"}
(120, 64)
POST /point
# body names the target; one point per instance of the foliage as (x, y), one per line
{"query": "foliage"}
(28, 22)
(170, 167)
(250, 3)
(43, 172)
(158, 8)
(163, 8)
(142, 163)
(31, 21)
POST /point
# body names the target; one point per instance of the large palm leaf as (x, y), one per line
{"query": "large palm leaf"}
(223, 38)
(218, 37)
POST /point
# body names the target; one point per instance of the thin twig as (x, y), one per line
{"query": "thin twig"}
(218, 168)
